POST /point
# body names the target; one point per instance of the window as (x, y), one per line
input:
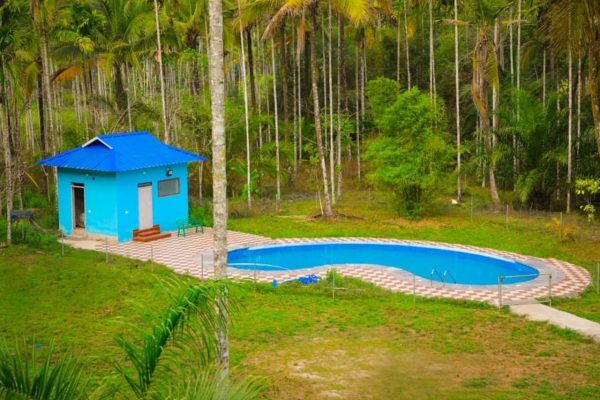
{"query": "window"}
(168, 187)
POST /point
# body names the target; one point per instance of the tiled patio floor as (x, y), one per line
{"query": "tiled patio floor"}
(193, 255)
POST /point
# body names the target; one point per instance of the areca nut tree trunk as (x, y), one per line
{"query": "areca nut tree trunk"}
(246, 121)
(408, 80)
(163, 99)
(432, 88)
(481, 75)
(217, 101)
(341, 92)
(331, 128)
(4, 127)
(328, 211)
(457, 98)
(277, 168)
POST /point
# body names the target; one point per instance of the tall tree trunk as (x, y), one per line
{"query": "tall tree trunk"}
(317, 109)
(457, 95)
(163, 99)
(43, 133)
(331, 126)
(357, 101)
(5, 126)
(515, 146)
(594, 84)
(398, 50)
(544, 79)
(253, 101)
(406, 46)
(432, 88)
(284, 87)
(578, 107)
(217, 100)
(495, 88)
(570, 122)
(479, 92)
(246, 121)
(277, 178)
(47, 98)
(341, 89)
(299, 94)
(294, 106)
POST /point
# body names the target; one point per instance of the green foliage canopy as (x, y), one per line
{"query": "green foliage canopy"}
(411, 157)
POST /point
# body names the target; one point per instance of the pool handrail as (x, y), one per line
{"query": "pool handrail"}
(433, 273)
(448, 273)
(539, 275)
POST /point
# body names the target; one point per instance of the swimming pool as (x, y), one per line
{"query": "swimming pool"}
(430, 262)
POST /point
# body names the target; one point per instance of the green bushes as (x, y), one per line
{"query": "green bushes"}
(410, 157)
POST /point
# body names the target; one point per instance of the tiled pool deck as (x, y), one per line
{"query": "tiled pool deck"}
(193, 255)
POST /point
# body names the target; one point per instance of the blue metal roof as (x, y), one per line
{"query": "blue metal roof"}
(118, 152)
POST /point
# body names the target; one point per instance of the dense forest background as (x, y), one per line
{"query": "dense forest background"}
(421, 98)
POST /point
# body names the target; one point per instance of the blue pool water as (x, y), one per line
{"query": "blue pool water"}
(463, 267)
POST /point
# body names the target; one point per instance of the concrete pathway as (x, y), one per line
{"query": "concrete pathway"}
(562, 319)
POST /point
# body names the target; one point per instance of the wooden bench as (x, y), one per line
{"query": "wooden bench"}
(184, 224)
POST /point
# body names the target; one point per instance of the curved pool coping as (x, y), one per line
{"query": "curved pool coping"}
(567, 279)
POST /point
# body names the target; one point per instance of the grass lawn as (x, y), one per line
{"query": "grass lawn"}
(368, 343)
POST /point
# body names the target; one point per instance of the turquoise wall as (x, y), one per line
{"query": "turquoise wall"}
(111, 200)
(166, 210)
(99, 198)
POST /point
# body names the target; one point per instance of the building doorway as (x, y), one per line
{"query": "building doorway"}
(78, 205)
(145, 205)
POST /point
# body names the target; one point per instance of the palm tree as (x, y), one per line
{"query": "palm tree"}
(161, 74)
(245, 92)
(485, 73)
(190, 322)
(122, 39)
(15, 28)
(406, 36)
(575, 23)
(217, 101)
(277, 167)
(23, 377)
(317, 107)
(457, 98)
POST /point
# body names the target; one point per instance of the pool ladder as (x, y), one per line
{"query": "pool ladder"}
(443, 277)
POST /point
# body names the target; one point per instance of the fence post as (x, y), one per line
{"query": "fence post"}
(560, 230)
(500, 291)
(471, 208)
(202, 266)
(333, 283)
(62, 243)
(106, 250)
(598, 278)
(414, 289)
(152, 253)
(550, 290)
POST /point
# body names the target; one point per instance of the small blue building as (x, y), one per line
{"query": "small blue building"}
(117, 183)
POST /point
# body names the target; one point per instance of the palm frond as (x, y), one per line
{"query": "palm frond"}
(205, 386)
(22, 377)
(196, 303)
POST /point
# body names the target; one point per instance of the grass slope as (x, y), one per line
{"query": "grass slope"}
(368, 343)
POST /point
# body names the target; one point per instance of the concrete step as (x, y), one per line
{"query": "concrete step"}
(146, 232)
(151, 237)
